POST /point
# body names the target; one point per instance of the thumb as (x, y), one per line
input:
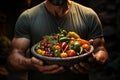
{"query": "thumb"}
(36, 61)
(100, 56)
(91, 41)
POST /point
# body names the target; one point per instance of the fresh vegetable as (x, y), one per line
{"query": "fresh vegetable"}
(76, 46)
(63, 55)
(73, 34)
(82, 41)
(71, 53)
(86, 46)
(71, 42)
(57, 47)
(64, 32)
(57, 53)
(63, 44)
(66, 48)
(62, 39)
(39, 51)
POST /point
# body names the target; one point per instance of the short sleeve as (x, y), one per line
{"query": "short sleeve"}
(95, 26)
(22, 26)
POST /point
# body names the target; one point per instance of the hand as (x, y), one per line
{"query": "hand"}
(46, 69)
(86, 67)
(83, 67)
(98, 58)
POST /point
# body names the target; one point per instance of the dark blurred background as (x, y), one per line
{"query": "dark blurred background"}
(108, 12)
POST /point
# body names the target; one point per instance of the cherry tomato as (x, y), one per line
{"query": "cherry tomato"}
(57, 47)
(71, 41)
(44, 40)
(86, 46)
(63, 55)
(71, 53)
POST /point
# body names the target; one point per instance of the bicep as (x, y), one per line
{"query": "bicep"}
(20, 45)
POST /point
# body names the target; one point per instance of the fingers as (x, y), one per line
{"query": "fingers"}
(46, 69)
(94, 62)
(80, 68)
(100, 56)
(54, 70)
(91, 41)
(51, 69)
(74, 70)
(36, 61)
(86, 66)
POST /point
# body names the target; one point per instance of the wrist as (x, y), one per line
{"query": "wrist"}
(33, 63)
(29, 64)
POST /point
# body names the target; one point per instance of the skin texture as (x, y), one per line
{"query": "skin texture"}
(19, 62)
(97, 59)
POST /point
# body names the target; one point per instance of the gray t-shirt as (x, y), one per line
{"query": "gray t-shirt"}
(37, 22)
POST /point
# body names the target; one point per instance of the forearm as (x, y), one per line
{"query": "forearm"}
(18, 62)
(100, 52)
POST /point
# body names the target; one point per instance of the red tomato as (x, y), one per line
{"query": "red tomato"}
(71, 53)
(86, 46)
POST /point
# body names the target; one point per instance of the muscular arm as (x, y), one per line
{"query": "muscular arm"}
(17, 57)
(19, 62)
(100, 52)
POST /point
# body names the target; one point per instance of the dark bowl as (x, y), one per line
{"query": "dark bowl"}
(69, 61)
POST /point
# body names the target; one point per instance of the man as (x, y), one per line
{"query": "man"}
(45, 19)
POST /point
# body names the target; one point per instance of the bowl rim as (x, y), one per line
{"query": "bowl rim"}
(59, 58)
